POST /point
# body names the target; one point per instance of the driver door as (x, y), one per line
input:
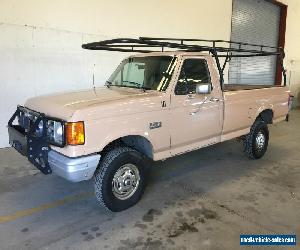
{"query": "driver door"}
(196, 119)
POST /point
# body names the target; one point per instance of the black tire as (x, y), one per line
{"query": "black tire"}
(113, 161)
(252, 148)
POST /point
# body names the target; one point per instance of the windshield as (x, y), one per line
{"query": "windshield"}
(152, 72)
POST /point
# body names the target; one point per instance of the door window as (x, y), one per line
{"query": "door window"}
(193, 71)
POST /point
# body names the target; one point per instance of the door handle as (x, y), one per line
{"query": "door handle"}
(195, 112)
(198, 106)
(190, 96)
(214, 99)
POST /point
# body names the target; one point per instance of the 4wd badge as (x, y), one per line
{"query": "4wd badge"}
(154, 125)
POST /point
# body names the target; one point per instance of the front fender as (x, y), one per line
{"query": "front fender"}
(99, 133)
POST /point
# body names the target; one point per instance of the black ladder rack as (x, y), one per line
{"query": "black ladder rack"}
(154, 44)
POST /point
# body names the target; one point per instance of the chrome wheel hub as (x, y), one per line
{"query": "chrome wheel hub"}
(260, 140)
(125, 181)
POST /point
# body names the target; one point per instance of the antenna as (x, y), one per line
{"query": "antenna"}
(94, 87)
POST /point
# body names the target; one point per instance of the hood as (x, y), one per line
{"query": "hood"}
(64, 105)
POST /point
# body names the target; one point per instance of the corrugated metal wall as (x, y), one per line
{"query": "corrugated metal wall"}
(257, 22)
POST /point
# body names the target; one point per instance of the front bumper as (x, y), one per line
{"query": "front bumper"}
(38, 151)
(73, 169)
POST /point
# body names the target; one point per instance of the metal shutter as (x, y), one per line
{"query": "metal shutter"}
(257, 22)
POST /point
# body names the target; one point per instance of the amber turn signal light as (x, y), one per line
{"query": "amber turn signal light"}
(75, 133)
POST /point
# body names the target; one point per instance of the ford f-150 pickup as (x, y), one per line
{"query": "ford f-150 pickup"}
(154, 106)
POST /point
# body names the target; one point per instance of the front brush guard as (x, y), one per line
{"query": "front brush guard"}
(29, 142)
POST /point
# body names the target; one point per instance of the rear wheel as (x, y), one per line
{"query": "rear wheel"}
(256, 142)
(120, 179)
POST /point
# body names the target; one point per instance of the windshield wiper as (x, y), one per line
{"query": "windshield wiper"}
(108, 84)
(144, 88)
(135, 83)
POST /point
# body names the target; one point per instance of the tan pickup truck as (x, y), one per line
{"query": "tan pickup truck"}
(154, 106)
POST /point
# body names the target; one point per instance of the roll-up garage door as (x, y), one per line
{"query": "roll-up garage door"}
(256, 22)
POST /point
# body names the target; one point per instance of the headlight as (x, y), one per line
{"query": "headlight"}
(55, 132)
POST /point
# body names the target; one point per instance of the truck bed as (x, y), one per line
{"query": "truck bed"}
(243, 103)
(235, 87)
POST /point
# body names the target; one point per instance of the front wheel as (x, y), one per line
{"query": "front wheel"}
(120, 179)
(256, 142)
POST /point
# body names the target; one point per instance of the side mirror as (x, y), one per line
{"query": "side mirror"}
(203, 88)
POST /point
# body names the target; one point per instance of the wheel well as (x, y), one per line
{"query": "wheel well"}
(266, 116)
(137, 142)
